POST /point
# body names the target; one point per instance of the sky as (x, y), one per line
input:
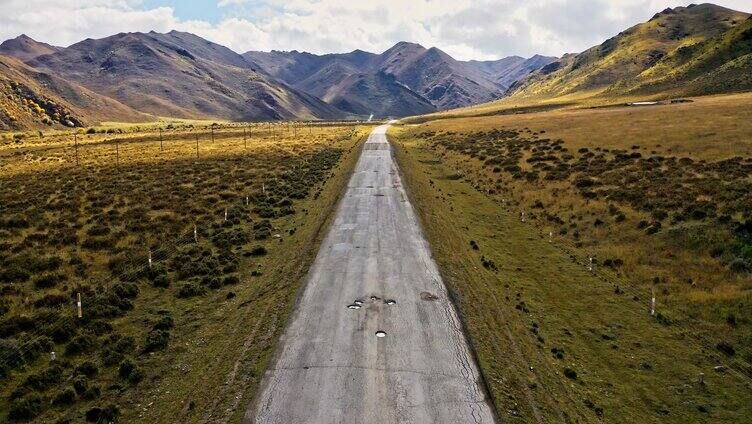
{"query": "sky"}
(466, 29)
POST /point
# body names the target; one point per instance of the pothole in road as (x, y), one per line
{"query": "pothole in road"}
(381, 334)
(428, 296)
(353, 306)
(358, 302)
(375, 298)
(390, 302)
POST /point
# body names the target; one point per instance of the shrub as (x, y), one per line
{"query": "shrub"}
(726, 348)
(115, 348)
(230, 279)
(79, 344)
(26, 408)
(107, 414)
(43, 380)
(156, 340)
(65, 397)
(570, 373)
(12, 355)
(92, 393)
(80, 384)
(190, 289)
(126, 367)
(258, 251)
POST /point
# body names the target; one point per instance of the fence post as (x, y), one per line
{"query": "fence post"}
(196, 146)
(652, 301)
(161, 148)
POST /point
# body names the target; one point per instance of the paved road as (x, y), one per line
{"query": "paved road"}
(332, 367)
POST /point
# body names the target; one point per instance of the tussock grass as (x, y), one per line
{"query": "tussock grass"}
(257, 204)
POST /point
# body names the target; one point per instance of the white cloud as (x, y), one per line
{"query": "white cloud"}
(478, 29)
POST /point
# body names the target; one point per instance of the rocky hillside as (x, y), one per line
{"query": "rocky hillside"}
(33, 99)
(181, 75)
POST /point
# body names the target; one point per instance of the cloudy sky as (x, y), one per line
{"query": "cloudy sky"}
(466, 29)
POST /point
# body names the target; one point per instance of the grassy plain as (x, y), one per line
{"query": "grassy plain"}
(187, 338)
(555, 339)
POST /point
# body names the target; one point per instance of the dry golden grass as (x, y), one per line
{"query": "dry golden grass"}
(698, 291)
(149, 199)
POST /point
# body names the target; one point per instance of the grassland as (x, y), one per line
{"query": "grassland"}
(186, 338)
(658, 197)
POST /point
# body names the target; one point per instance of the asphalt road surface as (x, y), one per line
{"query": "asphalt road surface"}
(374, 273)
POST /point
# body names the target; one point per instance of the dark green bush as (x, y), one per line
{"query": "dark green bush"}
(570, 373)
(64, 397)
(156, 340)
(26, 408)
(126, 367)
(80, 344)
(191, 289)
(258, 251)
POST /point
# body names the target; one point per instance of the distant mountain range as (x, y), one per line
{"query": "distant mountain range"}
(698, 49)
(182, 75)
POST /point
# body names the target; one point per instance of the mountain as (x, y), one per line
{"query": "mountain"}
(436, 75)
(507, 71)
(33, 99)
(616, 64)
(379, 94)
(25, 48)
(431, 74)
(719, 64)
(181, 75)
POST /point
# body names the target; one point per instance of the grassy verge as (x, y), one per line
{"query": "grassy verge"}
(186, 340)
(556, 341)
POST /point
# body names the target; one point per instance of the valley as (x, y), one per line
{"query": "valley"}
(191, 232)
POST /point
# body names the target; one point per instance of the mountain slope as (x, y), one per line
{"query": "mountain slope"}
(33, 99)
(436, 76)
(25, 48)
(428, 73)
(181, 75)
(630, 53)
(379, 94)
(719, 64)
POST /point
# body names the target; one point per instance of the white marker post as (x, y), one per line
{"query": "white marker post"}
(149, 258)
(225, 214)
(590, 263)
(522, 216)
(53, 356)
(550, 236)
(652, 302)
(195, 234)
(78, 306)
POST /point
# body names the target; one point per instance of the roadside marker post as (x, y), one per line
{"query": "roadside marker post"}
(590, 263)
(78, 306)
(652, 302)
(195, 234)
(225, 214)
(149, 258)
(117, 153)
(196, 146)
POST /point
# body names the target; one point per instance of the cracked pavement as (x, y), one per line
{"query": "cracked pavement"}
(331, 367)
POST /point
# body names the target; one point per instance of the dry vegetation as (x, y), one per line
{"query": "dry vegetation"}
(187, 261)
(659, 197)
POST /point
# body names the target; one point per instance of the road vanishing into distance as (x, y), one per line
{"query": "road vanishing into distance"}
(374, 337)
